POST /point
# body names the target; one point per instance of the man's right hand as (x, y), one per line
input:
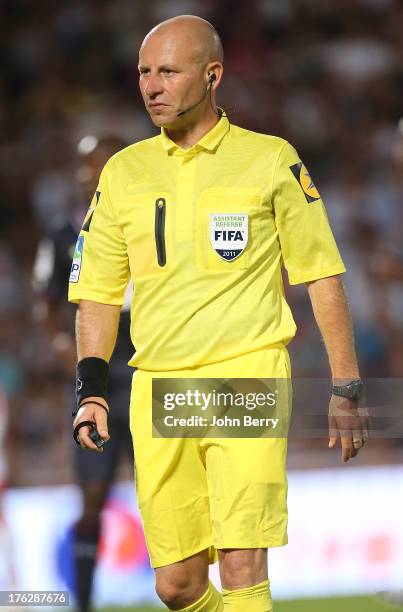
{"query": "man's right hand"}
(96, 414)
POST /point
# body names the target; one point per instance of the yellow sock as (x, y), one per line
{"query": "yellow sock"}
(256, 598)
(211, 601)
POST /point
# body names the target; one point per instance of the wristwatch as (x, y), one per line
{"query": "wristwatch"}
(353, 391)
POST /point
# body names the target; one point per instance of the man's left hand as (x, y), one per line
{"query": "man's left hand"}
(351, 420)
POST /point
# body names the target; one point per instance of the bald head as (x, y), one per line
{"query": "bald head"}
(199, 35)
(177, 61)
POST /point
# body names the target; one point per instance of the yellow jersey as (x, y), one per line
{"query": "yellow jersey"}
(203, 233)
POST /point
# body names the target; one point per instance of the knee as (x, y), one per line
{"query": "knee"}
(178, 592)
(172, 595)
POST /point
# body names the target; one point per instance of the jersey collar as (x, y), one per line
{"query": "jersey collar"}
(209, 142)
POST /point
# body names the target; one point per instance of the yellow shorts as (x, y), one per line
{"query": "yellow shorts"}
(210, 493)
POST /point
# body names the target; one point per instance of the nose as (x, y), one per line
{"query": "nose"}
(153, 85)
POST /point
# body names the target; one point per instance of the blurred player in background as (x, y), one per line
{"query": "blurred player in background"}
(95, 472)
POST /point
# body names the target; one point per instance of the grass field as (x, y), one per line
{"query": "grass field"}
(342, 604)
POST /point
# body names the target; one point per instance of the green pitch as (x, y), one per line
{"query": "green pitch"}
(340, 604)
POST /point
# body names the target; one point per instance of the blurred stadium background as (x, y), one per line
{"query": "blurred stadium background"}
(328, 76)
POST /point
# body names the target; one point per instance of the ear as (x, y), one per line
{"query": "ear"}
(214, 74)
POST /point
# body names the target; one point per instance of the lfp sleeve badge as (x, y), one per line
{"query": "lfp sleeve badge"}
(229, 234)
(77, 260)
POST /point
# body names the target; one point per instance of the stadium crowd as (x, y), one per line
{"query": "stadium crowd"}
(326, 76)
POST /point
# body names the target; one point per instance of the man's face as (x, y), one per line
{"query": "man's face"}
(171, 79)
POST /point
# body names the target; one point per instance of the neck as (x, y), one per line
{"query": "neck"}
(189, 132)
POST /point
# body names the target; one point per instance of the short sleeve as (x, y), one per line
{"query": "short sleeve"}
(308, 247)
(100, 268)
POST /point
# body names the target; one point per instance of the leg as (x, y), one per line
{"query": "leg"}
(175, 515)
(246, 586)
(249, 515)
(180, 584)
(94, 496)
(247, 491)
(241, 568)
(86, 536)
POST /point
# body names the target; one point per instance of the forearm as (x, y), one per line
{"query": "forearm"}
(332, 316)
(96, 329)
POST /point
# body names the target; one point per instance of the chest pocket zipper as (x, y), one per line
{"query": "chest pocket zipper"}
(160, 206)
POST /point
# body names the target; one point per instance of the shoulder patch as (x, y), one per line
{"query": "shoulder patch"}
(77, 260)
(90, 212)
(303, 177)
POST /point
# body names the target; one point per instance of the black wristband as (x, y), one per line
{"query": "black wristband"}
(91, 379)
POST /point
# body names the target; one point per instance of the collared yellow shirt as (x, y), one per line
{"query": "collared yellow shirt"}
(203, 232)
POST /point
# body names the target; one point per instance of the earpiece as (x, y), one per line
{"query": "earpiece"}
(212, 78)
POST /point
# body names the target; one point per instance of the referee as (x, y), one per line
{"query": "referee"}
(208, 303)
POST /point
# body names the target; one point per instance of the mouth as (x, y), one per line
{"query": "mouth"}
(156, 105)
